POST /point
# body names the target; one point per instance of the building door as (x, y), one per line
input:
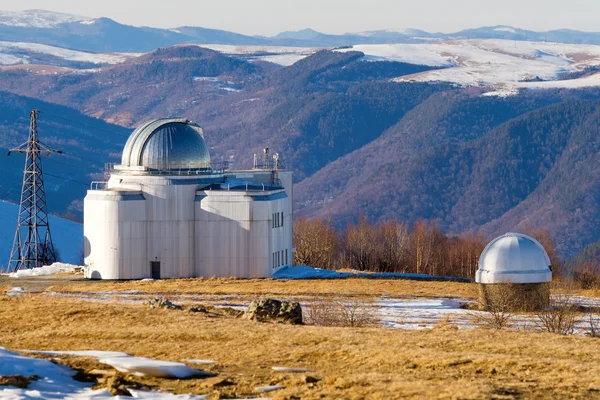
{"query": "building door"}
(155, 268)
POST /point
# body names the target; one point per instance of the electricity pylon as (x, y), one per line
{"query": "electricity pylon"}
(32, 246)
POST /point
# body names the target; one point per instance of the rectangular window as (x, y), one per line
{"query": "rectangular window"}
(273, 260)
(282, 219)
(286, 258)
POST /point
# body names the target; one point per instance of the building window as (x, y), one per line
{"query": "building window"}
(286, 257)
(277, 219)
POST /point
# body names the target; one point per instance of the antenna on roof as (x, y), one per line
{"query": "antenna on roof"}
(266, 158)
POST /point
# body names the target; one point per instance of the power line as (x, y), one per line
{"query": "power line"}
(67, 179)
(82, 124)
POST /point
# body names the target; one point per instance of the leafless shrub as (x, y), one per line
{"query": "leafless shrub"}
(594, 326)
(560, 317)
(587, 275)
(498, 305)
(341, 312)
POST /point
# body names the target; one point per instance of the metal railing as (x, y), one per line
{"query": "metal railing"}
(98, 185)
(202, 169)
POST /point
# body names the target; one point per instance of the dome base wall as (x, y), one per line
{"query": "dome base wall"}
(513, 297)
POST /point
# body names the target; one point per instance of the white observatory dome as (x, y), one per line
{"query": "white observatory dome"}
(514, 258)
(167, 144)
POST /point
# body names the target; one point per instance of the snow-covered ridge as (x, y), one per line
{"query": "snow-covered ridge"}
(37, 18)
(282, 55)
(14, 53)
(504, 64)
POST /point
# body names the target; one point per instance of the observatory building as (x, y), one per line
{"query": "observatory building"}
(514, 269)
(167, 212)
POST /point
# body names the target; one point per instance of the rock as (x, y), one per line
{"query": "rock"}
(269, 388)
(310, 379)
(163, 302)
(116, 386)
(200, 309)
(271, 310)
(19, 381)
(219, 381)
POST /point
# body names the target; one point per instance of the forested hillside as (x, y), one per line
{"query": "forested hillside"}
(87, 144)
(358, 142)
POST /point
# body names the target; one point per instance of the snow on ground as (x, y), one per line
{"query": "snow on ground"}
(56, 382)
(37, 18)
(140, 366)
(12, 53)
(46, 270)
(504, 64)
(397, 313)
(281, 55)
(421, 54)
(67, 235)
(306, 272)
(15, 291)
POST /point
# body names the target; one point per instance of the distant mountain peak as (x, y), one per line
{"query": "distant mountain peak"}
(303, 34)
(504, 28)
(37, 18)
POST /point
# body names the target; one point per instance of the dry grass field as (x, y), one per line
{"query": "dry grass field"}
(273, 287)
(350, 363)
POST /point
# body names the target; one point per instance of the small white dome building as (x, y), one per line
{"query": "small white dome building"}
(514, 272)
(165, 212)
(514, 258)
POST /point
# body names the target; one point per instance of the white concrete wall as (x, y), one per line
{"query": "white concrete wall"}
(115, 235)
(190, 231)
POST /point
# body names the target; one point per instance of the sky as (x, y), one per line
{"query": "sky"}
(269, 17)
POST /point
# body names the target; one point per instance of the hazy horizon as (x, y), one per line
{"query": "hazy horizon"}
(269, 17)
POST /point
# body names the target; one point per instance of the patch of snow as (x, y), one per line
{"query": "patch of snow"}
(56, 382)
(46, 270)
(507, 92)
(14, 53)
(420, 54)
(505, 29)
(269, 388)
(15, 291)
(206, 79)
(423, 313)
(141, 366)
(37, 18)
(83, 353)
(491, 62)
(282, 55)
(282, 59)
(88, 22)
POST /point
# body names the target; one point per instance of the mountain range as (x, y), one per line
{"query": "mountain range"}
(480, 134)
(107, 35)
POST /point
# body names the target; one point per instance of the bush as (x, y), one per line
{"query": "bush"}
(560, 317)
(587, 275)
(341, 312)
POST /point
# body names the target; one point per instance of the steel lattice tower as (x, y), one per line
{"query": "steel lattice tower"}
(32, 246)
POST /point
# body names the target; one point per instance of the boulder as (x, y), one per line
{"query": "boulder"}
(163, 302)
(271, 310)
